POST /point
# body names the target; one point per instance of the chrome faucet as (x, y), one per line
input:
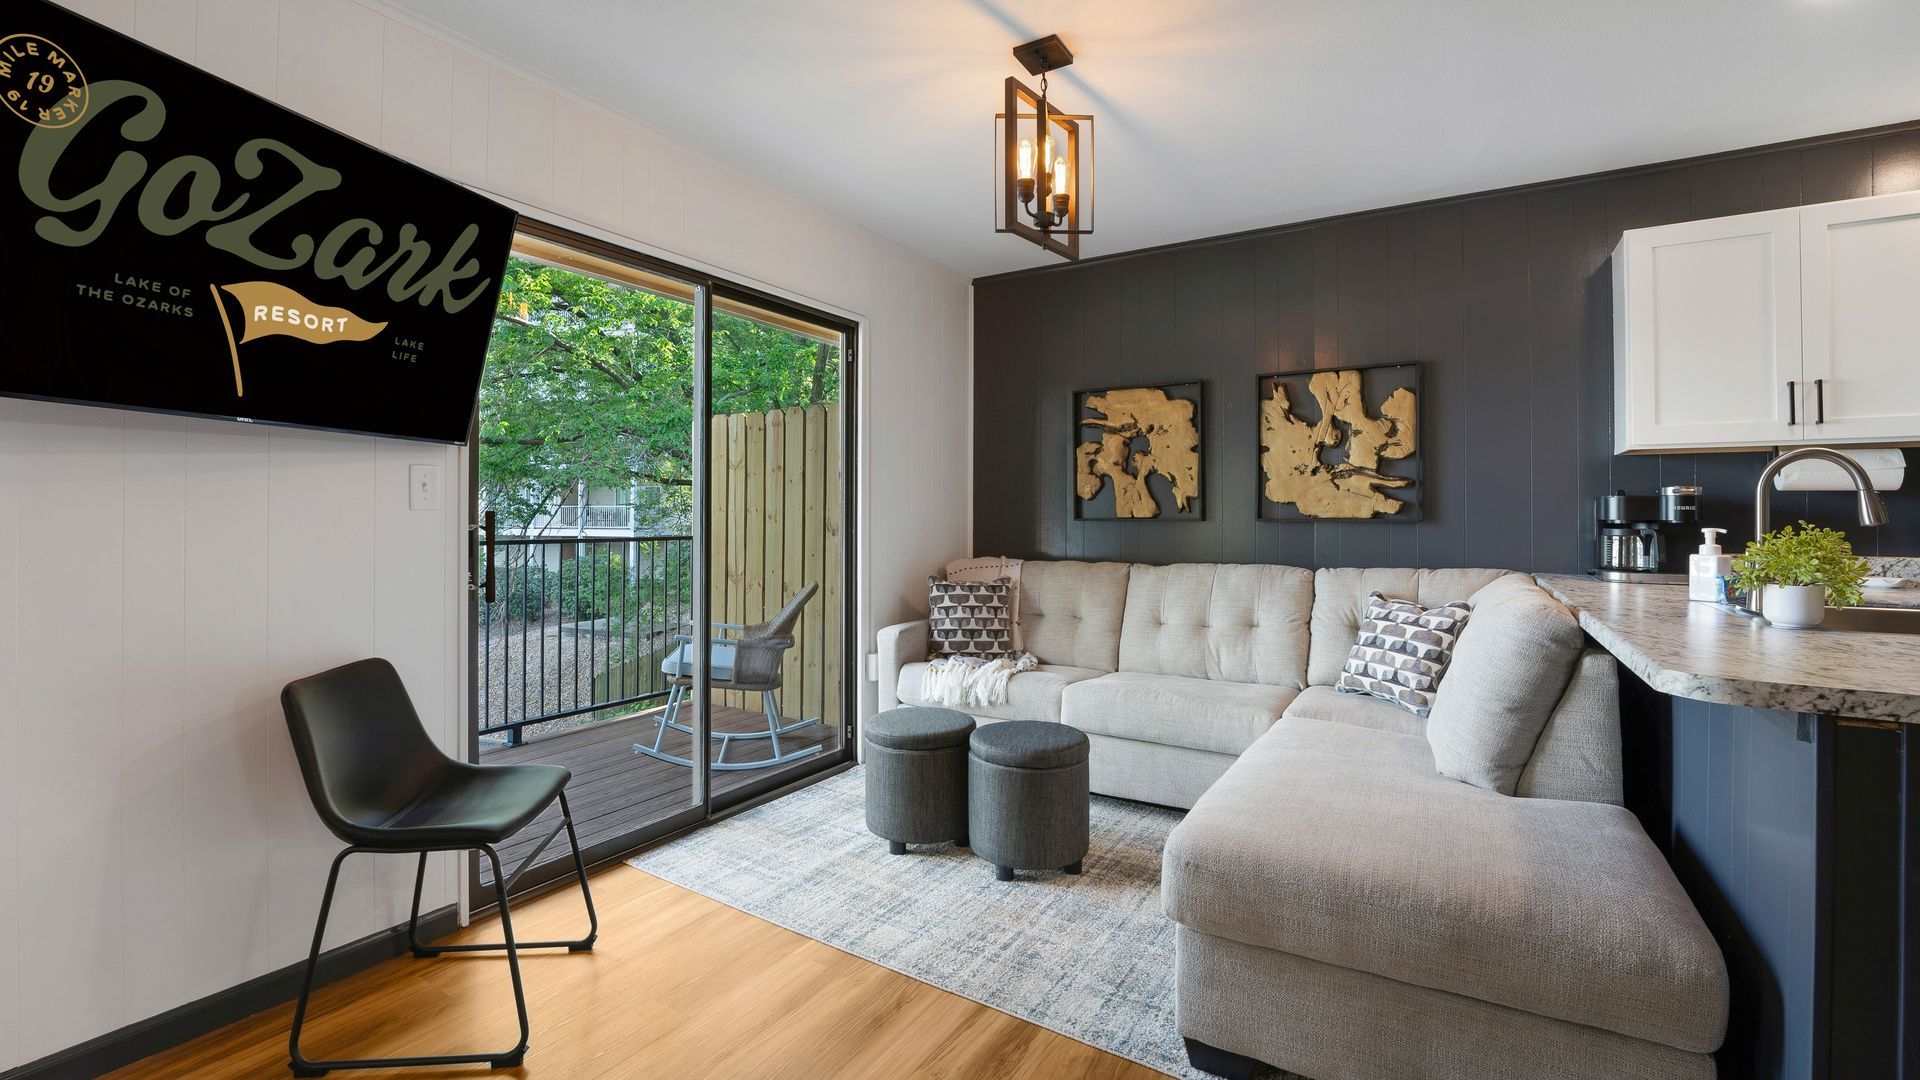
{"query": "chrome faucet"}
(1872, 510)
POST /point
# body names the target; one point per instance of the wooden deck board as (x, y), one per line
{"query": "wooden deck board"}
(615, 790)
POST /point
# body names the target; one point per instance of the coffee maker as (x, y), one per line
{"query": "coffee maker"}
(1643, 537)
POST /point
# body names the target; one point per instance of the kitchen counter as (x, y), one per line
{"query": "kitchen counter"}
(1702, 652)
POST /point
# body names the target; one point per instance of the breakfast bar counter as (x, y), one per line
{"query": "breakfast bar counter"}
(1707, 653)
(1779, 772)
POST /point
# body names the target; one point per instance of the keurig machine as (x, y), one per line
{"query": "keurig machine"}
(1643, 537)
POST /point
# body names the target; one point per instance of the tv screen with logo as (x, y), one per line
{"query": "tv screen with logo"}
(177, 244)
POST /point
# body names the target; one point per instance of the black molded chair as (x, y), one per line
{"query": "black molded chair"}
(380, 784)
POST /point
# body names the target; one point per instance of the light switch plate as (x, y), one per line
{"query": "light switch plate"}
(423, 487)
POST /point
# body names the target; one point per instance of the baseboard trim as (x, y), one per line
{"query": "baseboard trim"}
(175, 1026)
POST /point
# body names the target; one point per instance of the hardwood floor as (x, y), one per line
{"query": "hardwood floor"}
(678, 986)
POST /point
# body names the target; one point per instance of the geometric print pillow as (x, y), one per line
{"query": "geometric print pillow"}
(1402, 651)
(970, 618)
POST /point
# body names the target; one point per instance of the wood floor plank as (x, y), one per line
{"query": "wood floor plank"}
(679, 986)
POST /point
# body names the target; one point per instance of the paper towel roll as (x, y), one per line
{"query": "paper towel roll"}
(1887, 468)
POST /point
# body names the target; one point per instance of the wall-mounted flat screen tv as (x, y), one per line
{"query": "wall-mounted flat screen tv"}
(174, 243)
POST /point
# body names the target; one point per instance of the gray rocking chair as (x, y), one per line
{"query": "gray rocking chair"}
(748, 661)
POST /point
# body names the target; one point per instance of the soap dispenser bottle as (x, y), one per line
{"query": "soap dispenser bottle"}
(1708, 570)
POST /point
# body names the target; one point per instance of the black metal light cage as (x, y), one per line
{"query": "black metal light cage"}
(1023, 106)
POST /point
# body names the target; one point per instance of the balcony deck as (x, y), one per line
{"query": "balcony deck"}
(615, 790)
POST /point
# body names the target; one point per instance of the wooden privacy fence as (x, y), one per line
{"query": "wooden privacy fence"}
(776, 526)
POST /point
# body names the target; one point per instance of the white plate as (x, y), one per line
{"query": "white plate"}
(1887, 583)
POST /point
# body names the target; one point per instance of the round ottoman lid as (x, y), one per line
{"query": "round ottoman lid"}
(1030, 744)
(916, 728)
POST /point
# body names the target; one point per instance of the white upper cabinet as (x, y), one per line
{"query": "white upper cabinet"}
(1782, 328)
(1860, 294)
(1709, 332)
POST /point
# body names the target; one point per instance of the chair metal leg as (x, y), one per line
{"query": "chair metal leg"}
(584, 944)
(772, 708)
(777, 726)
(518, 1055)
(413, 923)
(667, 718)
(301, 1065)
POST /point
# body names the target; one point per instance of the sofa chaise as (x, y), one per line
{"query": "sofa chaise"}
(1342, 908)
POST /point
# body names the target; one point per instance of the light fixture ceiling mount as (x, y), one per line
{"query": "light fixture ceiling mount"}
(1045, 165)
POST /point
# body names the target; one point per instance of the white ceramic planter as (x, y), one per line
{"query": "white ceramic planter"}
(1794, 607)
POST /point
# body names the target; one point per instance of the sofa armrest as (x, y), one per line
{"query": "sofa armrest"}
(899, 645)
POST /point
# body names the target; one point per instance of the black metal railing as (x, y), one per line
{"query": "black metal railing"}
(578, 629)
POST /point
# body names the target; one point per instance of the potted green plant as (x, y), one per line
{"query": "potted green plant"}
(1796, 572)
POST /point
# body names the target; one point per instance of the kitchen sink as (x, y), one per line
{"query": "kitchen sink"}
(1875, 620)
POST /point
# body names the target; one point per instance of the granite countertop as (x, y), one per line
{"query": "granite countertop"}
(1894, 566)
(1701, 651)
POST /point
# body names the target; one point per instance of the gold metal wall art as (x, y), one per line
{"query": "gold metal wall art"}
(1136, 453)
(1340, 444)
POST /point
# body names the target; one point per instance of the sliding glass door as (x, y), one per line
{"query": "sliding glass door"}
(778, 541)
(660, 477)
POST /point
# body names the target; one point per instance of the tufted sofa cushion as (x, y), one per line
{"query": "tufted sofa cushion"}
(1224, 622)
(1340, 599)
(1070, 612)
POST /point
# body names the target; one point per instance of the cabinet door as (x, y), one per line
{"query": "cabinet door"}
(1860, 294)
(1707, 334)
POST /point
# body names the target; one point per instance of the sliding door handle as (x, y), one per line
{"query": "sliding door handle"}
(480, 556)
(487, 584)
(1790, 416)
(1820, 401)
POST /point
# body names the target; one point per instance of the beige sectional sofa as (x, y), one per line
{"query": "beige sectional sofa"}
(1174, 671)
(1343, 909)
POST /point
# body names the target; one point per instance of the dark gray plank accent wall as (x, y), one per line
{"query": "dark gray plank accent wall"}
(1504, 296)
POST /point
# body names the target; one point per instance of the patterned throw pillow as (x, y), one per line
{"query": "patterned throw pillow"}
(1402, 651)
(970, 618)
(993, 569)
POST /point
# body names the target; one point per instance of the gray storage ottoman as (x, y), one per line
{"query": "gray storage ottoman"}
(917, 776)
(1027, 796)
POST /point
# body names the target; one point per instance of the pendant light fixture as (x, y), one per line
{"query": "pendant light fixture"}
(1044, 158)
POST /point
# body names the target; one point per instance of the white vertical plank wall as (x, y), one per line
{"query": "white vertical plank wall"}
(161, 578)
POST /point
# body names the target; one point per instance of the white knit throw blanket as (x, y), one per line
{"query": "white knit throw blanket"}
(960, 681)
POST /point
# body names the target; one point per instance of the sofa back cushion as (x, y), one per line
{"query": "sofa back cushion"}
(1340, 601)
(1070, 612)
(1509, 671)
(1227, 622)
(1578, 756)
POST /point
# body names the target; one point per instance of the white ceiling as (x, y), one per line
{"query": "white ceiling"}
(1212, 115)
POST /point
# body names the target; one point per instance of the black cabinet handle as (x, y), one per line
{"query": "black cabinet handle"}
(1820, 401)
(1790, 420)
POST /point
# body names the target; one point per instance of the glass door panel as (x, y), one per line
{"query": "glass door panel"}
(584, 460)
(778, 591)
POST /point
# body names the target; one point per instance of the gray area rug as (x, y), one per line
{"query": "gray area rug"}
(1090, 957)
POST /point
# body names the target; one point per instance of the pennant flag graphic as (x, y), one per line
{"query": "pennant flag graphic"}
(268, 309)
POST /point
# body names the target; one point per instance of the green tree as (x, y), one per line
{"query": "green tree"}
(591, 382)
